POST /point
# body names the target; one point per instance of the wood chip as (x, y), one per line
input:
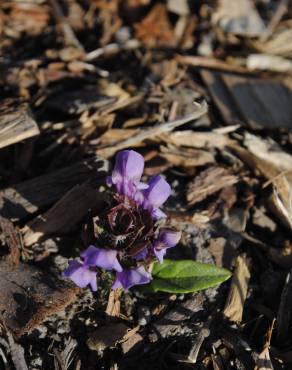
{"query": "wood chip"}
(28, 197)
(238, 290)
(210, 63)
(267, 62)
(16, 123)
(12, 240)
(263, 362)
(17, 353)
(195, 139)
(268, 159)
(63, 359)
(153, 131)
(187, 157)
(170, 324)
(240, 18)
(207, 183)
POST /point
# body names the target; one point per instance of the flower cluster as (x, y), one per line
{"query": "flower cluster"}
(126, 235)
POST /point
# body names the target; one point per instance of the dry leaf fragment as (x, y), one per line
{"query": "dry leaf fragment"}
(113, 304)
(107, 336)
(261, 219)
(155, 30)
(27, 17)
(132, 344)
(238, 290)
(217, 247)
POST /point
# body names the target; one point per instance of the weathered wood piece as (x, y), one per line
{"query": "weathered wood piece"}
(222, 97)
(28, 296)
(263, 103)
(65, 214)
(254, 102)
(16, 123)
(34, 195)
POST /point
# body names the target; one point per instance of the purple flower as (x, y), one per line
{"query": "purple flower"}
(125, 230)
(167, 238)
(81, 275)
(130, 277)
(155, 195)
(127, 173)
(103, 258)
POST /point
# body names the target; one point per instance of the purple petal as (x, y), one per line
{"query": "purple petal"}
(157, 214)
(142, 186)
(81, 275)
(157, 193)
(127, 172)
(130, 277)
(169, 237)
(109, 181)
(159, 254)
(141, 255)
(104, 258)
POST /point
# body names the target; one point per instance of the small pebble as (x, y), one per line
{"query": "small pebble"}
(144, 315)
(123, 35)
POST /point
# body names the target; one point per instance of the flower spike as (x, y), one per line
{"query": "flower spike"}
(124, 233)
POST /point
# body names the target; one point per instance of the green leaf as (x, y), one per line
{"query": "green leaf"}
(185, 276)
